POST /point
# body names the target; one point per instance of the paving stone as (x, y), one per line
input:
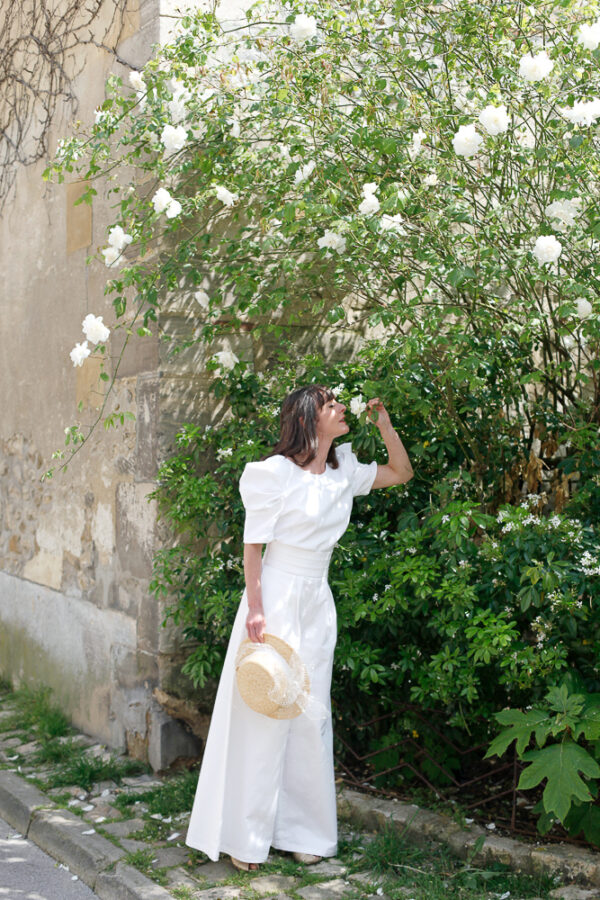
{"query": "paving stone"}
(148, 781)
(573, 892)
(225, 892)
(9, 743)
(215, 871)
(124, 827)
(165, 857)
(273, 884)
(180, 878)
(132, 846)
(126, 883)
(329, 867)
(367, 878)
(28, 748)
(326, 889)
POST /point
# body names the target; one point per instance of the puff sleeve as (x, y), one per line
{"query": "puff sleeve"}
(361, 475)
(261, 489)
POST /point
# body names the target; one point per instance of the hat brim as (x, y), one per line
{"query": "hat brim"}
(258, 702)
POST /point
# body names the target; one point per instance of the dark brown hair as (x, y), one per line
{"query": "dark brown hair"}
(298, 425)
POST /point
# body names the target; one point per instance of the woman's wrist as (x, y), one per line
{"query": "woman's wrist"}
(255, 605)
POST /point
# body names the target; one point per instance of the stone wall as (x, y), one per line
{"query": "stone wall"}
(76, 552)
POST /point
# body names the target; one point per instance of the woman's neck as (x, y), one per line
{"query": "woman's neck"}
(318, 465)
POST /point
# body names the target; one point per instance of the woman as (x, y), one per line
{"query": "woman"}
(266, 782)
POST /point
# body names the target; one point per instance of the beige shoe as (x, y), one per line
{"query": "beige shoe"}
(243, 866)
(309, 859)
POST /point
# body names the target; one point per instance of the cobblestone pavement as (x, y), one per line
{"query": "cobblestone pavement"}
(128, 851)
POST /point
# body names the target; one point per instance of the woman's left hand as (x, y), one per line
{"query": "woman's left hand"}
(378, 414)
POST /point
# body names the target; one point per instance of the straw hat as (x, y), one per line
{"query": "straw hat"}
(271, 678)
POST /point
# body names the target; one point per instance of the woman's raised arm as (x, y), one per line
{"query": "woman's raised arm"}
(398, 469)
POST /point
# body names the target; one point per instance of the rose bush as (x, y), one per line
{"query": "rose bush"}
(425, 174)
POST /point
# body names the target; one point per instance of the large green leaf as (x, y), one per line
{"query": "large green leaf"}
(560, 764)
(522, 726)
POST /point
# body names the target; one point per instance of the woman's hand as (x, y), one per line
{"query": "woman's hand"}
(378, 414)
(256, 626)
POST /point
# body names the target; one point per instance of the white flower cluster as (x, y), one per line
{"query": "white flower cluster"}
(547, 249)
(177, 106)
(303, 28)
(225, 196)
(370, 204)
(535, 68)
(173, 137)
(563, 212)
(226, 359)
(357, 405)
(118, 239)
(331, 240)
(163, 202)
(304, 172)
(583, 112)
(415, 145)
(589, 565)
(95, 331)
(589, 35)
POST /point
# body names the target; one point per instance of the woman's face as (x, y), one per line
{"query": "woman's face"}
(330, 420)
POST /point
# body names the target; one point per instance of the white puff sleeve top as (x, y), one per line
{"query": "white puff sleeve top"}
(286, 503)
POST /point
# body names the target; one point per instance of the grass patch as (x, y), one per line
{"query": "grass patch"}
(54, 751)
(85, 770)
(5, 685)
(142, 860)
(176, 795)
(433, 874)
(34, 712)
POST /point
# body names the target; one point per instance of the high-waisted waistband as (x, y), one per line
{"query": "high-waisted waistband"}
(310, 563)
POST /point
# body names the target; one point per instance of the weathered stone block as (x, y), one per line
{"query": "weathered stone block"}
(136, 518)
(169, 740)
(79, 218)
(140, 354)
(147, 417)
(59, 833)
(18, 800)
(126, 883)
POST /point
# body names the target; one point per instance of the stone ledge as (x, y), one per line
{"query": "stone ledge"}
(420, 826)
(18, 800)
(126, 883)
(59, 833)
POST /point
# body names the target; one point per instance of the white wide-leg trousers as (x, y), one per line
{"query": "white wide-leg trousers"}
(266, 782)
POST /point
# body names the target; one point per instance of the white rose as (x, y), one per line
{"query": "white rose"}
(118, 238)
(94, 329)
(357, 405)
(79, 353)
(583, 112)
(136, 81)
(584, 307)
(234, 122)
(161, 200)
(391, 223)
(494, 119)
(173, 209)
(547, 249)
(112, 256)
(303, 27)
(304, 171)
(225, 196)
(332, 241)
(589, 35)
(369, 205)
(226, 359)
(563, 212)
(369, 188)
(173, 137)
(99, 115)
(534, 68)
(466, 141)
(431, 180)
(202, 298)
(177, 111)
(415, 145)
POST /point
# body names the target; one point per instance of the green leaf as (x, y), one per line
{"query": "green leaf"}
(522, 726)
(560, 764)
